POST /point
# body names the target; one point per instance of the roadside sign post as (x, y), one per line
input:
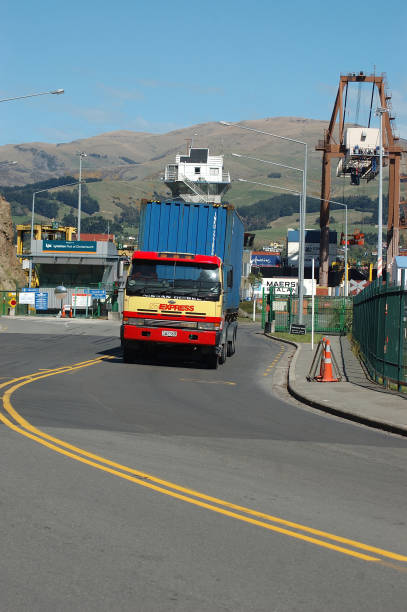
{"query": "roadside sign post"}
(41, 300)
(297, 329)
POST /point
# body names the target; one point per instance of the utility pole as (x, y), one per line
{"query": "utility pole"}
(379, 113)
(78, 233)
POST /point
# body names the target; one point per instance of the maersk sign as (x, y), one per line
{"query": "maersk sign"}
(69, 246)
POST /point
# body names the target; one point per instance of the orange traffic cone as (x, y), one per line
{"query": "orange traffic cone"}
(326, 363)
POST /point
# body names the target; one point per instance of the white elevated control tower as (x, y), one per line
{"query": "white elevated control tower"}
(361, 160)
(197, 177)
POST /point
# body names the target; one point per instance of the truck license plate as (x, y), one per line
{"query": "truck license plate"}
(168, 333)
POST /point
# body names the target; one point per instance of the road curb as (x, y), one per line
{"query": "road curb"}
(330, 408)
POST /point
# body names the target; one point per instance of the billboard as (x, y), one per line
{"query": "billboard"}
(264, 260)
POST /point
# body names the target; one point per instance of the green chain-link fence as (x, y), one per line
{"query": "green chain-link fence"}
(379, 328)
(331, 314)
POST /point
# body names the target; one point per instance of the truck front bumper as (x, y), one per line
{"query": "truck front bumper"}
(183, 336)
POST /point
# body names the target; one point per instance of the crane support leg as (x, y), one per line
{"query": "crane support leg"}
(324, 220)
(393, 221)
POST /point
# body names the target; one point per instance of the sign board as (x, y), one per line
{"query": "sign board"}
(284, 286)
(41, 300)
(55, 225)
(81, 300)
(297, 329)
(98, 294)
(27, 297)
(69, 246)
(265, 259)
(26, 264)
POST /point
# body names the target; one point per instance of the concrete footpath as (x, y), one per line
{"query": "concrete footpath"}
(355, 397)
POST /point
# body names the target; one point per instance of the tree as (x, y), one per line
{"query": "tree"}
(254, 279)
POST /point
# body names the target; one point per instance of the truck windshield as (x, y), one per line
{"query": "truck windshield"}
(152, 278)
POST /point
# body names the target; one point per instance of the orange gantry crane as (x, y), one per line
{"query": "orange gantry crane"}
(359, 163)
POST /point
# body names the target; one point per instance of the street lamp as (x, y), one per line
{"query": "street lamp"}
(42, 93)
(379, 113)
(314, 198)
(32, 223)
(303, 204)
(301, 249)
(78, 233)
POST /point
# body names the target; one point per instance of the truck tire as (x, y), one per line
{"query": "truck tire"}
(212, 361)
(222, 356)
(232, 345)
(128, 354)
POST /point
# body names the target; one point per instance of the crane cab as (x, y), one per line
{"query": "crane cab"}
(362, 153)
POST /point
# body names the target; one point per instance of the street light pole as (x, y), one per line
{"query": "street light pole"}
(32, 225)
(301, 244)
(379, 113)
(313, 198)
(78, 233)
(303, 208)
(42, 93)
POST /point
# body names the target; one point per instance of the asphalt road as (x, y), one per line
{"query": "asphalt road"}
(170, 522)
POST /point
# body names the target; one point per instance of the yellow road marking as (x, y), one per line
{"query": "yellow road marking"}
(188, 499)
(209, 382)
(42, 437)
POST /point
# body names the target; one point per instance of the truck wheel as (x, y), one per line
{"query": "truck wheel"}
(128, 354)
(212, 361)
(222, 356)
(232, 346)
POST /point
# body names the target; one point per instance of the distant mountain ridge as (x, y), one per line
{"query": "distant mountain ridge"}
(140, 155)
(131, 164)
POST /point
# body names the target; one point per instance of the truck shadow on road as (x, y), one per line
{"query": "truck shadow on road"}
(161, 357)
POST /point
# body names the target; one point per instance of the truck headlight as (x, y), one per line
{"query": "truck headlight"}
(207, 325)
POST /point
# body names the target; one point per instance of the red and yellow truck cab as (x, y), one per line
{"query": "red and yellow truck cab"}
(173, 298)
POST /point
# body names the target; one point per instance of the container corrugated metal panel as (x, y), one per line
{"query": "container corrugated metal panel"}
(204, 229)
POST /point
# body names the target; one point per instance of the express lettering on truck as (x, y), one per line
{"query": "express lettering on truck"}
(177, 307)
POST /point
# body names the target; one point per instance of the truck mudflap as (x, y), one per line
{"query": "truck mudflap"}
(170, 336)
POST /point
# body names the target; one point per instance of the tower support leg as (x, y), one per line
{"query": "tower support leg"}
(324, 220)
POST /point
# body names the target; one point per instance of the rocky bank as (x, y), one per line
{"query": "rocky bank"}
(10, 268)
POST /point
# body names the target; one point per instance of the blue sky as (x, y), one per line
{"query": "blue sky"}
(157, 66)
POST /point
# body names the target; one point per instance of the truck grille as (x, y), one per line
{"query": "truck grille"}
(168, 323)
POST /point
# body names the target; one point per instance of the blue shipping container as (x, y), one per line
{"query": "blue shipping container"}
(200, 229)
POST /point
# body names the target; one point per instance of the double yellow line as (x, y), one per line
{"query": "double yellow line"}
(323, 539)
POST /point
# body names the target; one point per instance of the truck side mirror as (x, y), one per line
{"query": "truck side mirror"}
(230, 278)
